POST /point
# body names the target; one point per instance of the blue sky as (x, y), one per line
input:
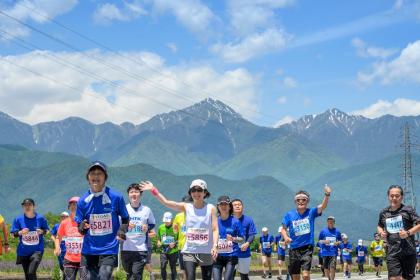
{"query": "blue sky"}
(271, 60)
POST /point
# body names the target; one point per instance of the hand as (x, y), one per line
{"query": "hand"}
(384, 234)
(404, 234)
(288, 240)
(39, 231)
(171, 245)
(24, 231)
(7, 249)
(146, 186)
(327, 189)
(57, 251)
(145, 227)
(131, 225)
(336, 243)
(214, 252)
(229, 237)
(86, 224)
(245, 246)
(152, 234)
(175, 228)
(158, 244)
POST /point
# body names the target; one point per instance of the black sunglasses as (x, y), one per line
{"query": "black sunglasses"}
(197, 190)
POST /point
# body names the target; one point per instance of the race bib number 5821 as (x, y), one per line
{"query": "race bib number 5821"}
(100, 224)
(197, 236)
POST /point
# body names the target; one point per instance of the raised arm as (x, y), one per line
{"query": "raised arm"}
(177, 206)
(323, 205)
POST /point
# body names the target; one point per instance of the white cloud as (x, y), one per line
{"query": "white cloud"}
(107, 13)
(192, 14)
(282, 100)
(404, 68)
(284, 120)
(256, 44)
(398, 107)
(289, 82)
(35, 10)
(33, 99)
(365, 50)
(173, 47)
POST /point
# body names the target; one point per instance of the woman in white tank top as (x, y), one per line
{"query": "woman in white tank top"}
(201, 224)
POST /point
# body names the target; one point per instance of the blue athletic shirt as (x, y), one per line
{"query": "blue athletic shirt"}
(265, 241)
(361, 253)
(103, 220)
(280, 250)
(31, 242)
(332, 235)
(63, 242)
(346, 255)
(249, 228)
(301, 227)
(233, 227)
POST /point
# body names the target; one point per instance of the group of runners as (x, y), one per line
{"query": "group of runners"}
(215, 238)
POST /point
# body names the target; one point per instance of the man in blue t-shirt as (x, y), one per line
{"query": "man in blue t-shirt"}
(98, 216)
(329, 239)
(301, 225)
(266, 248)
(248, 226)
(361, 253)
(60, 258)
(281, 253)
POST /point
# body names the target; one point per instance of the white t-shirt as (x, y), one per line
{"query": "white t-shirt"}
(136, 238)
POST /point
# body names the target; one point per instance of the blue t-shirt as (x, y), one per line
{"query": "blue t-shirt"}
(331, 235)
(301, 227)
(280, 250)
(233, 227)
(361, 253)
(265, 241)
(345, 254)
(103, 220)
(63, 242)
(31, 242)
(249, 229)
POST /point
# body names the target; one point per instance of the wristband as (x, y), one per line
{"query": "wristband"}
(154, 191)
(6, 244)
(408, 233)
(327, 194)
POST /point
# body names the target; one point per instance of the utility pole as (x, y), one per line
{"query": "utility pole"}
(409, 195)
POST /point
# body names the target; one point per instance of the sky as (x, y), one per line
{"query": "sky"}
(273, 61)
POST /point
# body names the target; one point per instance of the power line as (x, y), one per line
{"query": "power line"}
(140, 61)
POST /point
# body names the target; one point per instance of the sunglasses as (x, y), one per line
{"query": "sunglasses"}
(193, 190)
(301, 200)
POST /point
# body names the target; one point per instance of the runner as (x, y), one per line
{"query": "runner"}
(399, 224)
(3, 227)
(167, 241)
(361, 253)
(346, 255)
(200, 248)
(281, 253)
(134, 253)
(68, 233)
(377, 249)
(30, 227)
(248, 226)
(320, 258)
(179, 227)
(64, 215)
(330, 238)
(98, 217)
(151, 234)
(266, 248)
(301, 225)
(230, 234)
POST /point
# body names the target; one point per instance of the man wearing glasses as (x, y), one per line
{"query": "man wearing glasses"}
(301, 225)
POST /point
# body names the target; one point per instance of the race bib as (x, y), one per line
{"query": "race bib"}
(225, 246)
(331, 240)
(346, 252)
(197, 236)
(394, 224)
(31, 238)
(74, 245)
(183, 229)
(266, 245)
(166, 240)
(361, 254)
(136, 230)
(282, 245)
(100, 224)
(301, 227)
(378, 248)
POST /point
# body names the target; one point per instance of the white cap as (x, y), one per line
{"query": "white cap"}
(167, 217)
(64, 213)
(280, 227)
(199, 183)
(344, 236)
(264, 229)
(360, 242)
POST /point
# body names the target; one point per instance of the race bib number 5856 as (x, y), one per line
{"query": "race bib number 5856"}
(197, 236)
(100, 224)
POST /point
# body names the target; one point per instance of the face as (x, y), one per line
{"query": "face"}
(168, 224)
(96, 178)
(134, 195)
(237, 207)
(376, 237)
(395, 198)
(73, 206)
(197, 193)
(224, 208)
(301, 203)
(344, 240)
(28, 207)
(265, 233)
(330, 223)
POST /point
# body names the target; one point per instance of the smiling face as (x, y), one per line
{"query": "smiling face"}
(301, 203)
(197, 194)
(96, 179)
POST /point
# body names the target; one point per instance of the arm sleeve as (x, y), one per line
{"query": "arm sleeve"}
(151, 220)
(250, 238)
